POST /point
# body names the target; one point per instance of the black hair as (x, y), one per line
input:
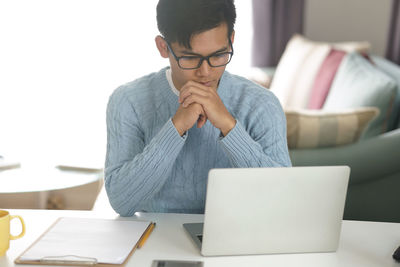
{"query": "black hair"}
(179, 20)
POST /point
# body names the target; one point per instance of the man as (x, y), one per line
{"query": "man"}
(168, 129)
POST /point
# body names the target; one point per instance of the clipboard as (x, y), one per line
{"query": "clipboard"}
(55, 245)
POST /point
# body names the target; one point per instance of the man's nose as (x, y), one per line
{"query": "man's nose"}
(204, 68)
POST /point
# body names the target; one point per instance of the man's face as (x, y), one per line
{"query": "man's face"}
(203, 44)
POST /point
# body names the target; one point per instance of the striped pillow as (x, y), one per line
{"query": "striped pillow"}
(323, 81)
(299, 65)
(319, 128)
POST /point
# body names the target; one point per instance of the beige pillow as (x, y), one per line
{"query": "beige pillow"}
(319, 128)
(299, 66)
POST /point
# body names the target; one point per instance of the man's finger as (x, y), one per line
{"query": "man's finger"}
(192, 88)
(194, 99)
(201, 121)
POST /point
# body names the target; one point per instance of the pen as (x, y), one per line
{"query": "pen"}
(146, 235)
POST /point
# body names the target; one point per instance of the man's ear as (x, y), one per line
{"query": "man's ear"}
(162, 46)
(233, 37)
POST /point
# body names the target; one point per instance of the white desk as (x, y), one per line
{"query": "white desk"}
(365, 244)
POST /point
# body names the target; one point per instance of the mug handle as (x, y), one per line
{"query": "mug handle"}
(12, 237)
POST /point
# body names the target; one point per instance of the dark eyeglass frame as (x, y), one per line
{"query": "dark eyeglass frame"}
(207, 58)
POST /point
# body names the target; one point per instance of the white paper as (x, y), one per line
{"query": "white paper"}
(108, 241)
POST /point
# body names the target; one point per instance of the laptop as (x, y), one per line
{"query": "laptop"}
(272, 210)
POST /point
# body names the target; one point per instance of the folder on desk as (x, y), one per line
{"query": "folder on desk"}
(83, 242)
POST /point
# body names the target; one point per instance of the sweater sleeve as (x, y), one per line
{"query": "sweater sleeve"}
(134, 172)
(261, 142)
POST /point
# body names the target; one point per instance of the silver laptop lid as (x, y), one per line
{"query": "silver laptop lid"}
(274, 210)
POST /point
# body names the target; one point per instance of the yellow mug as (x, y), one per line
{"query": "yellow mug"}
(5, 234)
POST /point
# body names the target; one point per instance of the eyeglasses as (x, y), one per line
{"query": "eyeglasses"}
(215, 60)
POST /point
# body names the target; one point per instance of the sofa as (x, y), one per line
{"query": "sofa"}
(342, 106)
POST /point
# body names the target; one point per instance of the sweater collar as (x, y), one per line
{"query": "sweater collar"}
(168, 74)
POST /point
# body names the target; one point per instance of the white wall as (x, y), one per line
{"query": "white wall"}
(60, 60)
(349, 20)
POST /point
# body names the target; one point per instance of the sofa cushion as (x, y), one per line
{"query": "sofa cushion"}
(298, 68)
(358, 83)
(323, 81)
(319, 128)
(393, 71)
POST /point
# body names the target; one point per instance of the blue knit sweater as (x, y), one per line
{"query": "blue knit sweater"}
(150, 167)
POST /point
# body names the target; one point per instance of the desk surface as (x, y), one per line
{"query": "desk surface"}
(22, 180)
(366, 244)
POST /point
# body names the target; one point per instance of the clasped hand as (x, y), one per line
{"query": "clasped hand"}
(199, 103)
